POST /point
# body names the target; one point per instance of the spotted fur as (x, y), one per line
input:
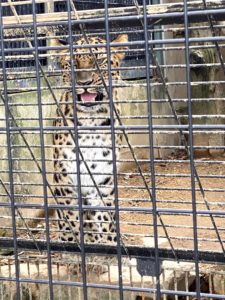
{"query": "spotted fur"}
(95, 144)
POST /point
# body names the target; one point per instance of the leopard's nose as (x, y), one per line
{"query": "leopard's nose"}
(83, 78)
(81, 82)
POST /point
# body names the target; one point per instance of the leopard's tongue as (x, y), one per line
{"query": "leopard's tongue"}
(88, 97)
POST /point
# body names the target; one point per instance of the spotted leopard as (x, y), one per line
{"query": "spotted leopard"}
(96, 157)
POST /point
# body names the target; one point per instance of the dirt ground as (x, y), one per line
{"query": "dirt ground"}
(174, 195)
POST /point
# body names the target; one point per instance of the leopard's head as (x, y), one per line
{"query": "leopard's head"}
(89, 77)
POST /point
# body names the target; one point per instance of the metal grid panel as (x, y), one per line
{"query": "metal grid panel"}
(166, 185)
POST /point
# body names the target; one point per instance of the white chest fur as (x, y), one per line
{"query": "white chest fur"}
(96, 157)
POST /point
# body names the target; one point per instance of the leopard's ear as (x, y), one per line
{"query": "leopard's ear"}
(122, 38)
(63, 53)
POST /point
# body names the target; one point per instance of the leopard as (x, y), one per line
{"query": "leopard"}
(88, 110)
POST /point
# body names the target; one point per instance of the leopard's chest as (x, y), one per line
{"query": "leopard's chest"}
(95, 163)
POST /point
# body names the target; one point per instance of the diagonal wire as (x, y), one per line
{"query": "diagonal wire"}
(22, 135)
(7, 192)
(21, 216)
(82, 28)
(34, 159)
(65, 122)
(77, 157)
(71, 134)
(184, 139)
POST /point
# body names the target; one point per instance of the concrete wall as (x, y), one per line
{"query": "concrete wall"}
(212, 108)
(27, 178)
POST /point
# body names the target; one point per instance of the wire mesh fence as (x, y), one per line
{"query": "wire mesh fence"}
(112, 150)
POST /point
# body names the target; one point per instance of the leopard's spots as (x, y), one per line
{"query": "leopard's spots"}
(94, 144)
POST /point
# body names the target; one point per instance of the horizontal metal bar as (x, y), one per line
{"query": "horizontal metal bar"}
(110, 287)
(122, 209)
(134, 251)
(175, 161)
(127, 44)
(130, 101)
(120, 174)
(97, 16)
(149, 224)
(126, 127)
(131, 117)
(124, 147)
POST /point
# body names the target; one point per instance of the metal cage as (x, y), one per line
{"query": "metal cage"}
(165, 184)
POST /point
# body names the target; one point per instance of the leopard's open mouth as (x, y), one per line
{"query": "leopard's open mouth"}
(89, 99)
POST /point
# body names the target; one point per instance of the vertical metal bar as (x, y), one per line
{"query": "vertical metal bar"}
(191, 149)
(152, 157)
(223, 284)
(164, 284)
(211, 284)
(175, 283)
(9, 154)
(187, 274)
(116, 195)
(42, 144)
(79, 193)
